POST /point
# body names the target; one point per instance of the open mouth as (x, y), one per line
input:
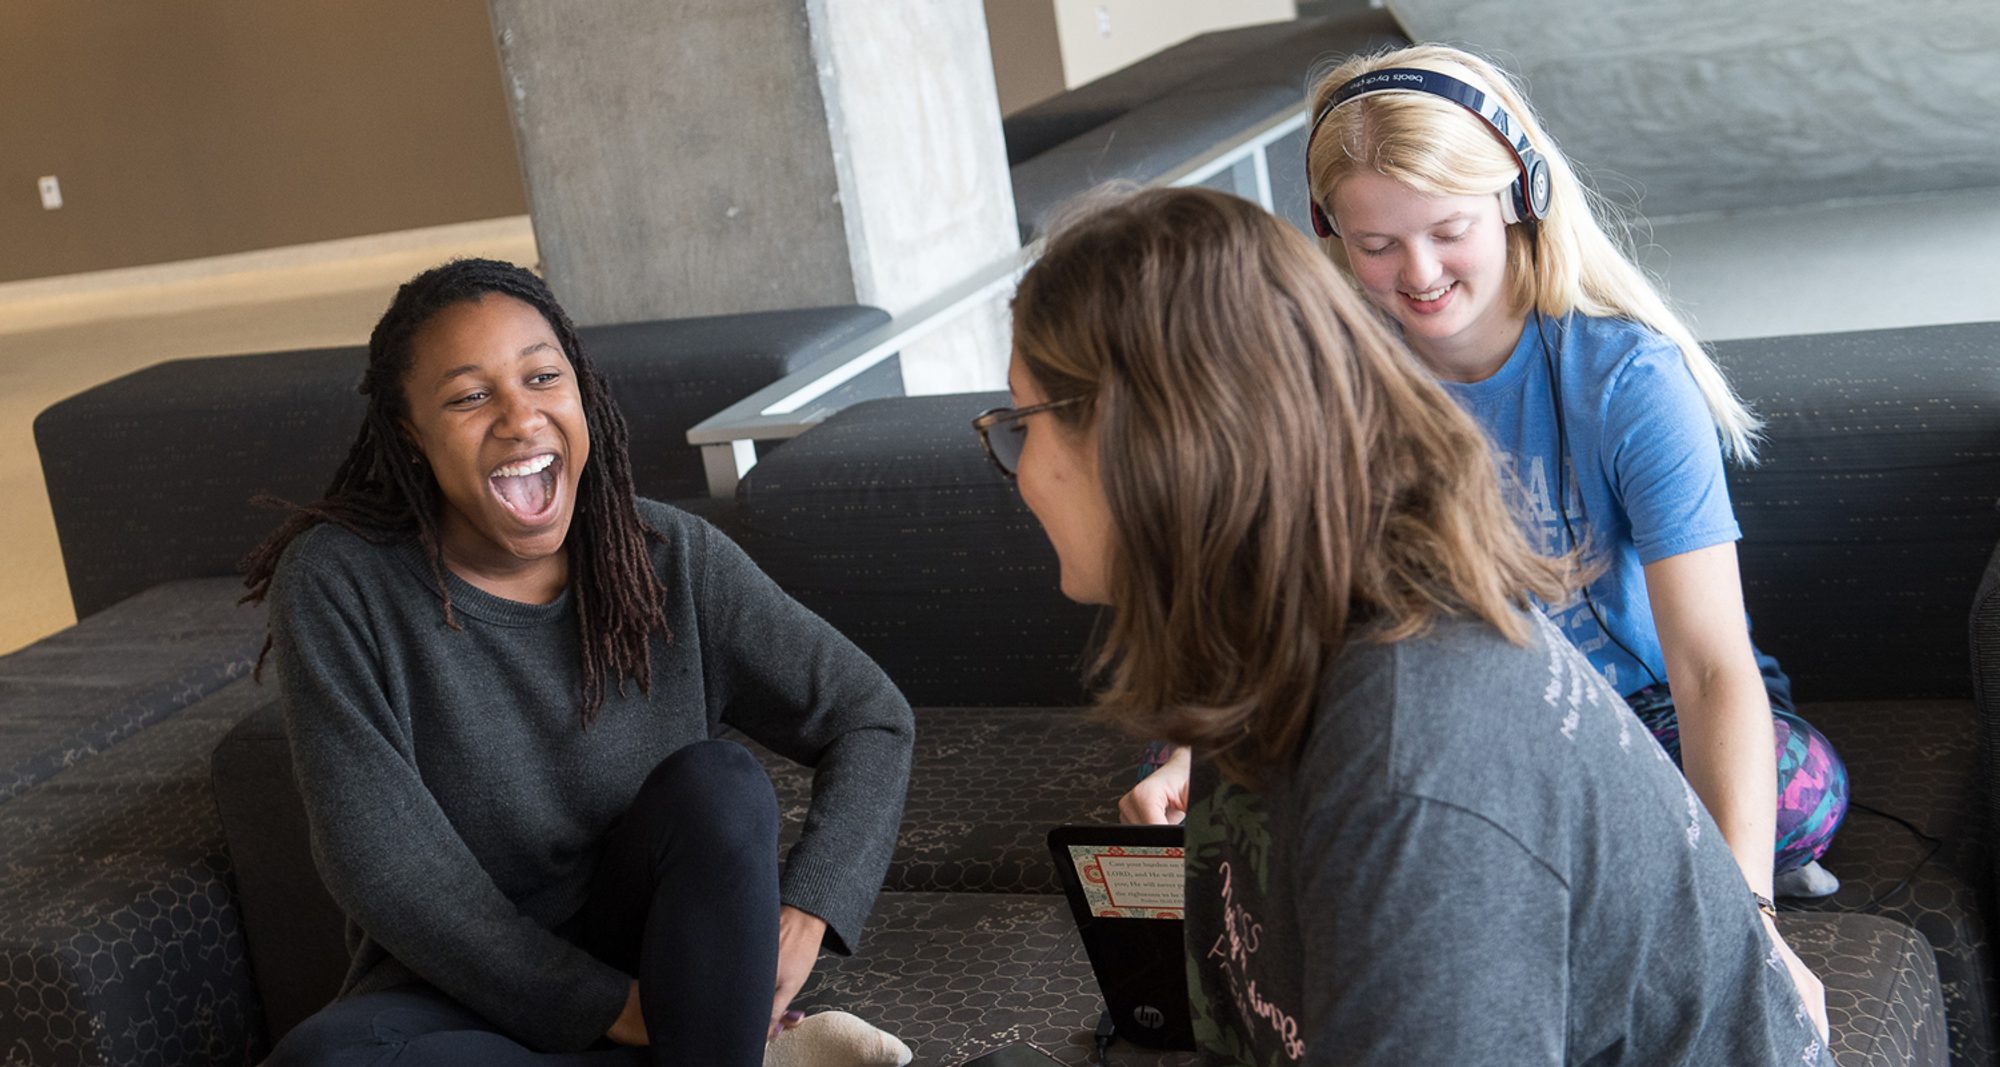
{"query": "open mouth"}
(527, 488)
(1432, 299)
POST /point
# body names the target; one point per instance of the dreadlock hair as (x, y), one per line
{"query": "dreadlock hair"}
(384, 492)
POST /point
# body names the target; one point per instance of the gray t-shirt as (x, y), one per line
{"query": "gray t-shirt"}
(1481, 857)
(457, 804)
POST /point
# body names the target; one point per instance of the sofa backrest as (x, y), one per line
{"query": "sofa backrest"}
(1866, 527)
(888, 521)
(1868, 523)
(150, 475)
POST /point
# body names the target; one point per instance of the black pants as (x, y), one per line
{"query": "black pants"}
(685, 897)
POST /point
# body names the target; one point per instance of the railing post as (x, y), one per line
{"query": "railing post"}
(1262, 160)
(726, 464)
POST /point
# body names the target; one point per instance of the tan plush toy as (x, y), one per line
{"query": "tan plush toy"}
(835, 1039)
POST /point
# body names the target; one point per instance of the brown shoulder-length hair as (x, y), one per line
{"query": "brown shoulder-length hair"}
(1282, 474)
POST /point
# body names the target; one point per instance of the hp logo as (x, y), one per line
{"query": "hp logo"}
(1149, 1017)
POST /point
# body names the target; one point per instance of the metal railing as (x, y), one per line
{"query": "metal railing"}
(795, 403)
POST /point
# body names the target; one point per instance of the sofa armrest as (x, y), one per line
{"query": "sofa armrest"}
(120, 938)
(150, 475)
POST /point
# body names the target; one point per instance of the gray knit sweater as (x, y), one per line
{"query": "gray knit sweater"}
(457, 804)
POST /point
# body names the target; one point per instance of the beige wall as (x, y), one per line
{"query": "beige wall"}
(203, 128)
(1027, 54)
(182, 130)
(1100, 36)
(1041, 47)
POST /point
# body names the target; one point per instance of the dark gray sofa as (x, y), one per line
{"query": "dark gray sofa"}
(146, 907)
(1868, 530)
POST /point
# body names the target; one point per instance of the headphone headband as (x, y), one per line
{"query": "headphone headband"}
(1527, 198)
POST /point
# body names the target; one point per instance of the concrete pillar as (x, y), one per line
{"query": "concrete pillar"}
(703, 157)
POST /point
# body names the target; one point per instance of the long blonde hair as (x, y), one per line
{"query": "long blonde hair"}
(1567, 262)
(1281, 473)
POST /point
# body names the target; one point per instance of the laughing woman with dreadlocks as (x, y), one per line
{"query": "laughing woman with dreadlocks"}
(502, 675)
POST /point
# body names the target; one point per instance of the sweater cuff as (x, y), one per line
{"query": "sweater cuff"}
(822, 892)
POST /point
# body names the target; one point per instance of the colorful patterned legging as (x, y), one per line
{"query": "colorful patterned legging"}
(1812, 781)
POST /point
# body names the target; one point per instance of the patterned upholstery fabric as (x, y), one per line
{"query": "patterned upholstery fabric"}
(1882, 998)
(1916, 760)
(957, 974)
(74, 694)
(281, 423)
(120, 940)
(986, 786)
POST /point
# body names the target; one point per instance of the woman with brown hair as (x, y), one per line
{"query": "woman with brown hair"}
(1420, 829)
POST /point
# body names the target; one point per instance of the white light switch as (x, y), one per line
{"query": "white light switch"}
(51, 192)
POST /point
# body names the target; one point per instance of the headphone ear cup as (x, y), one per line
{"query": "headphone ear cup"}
(1536, 196)
(1321, 224)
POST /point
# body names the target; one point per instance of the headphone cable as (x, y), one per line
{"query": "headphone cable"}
(1562, 485)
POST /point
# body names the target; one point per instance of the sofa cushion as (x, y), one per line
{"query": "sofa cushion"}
(1883, 1002)
(986, 785)
(119, 934)
(80, 691)
(956, 974)
(1916, 760)
(888, 521)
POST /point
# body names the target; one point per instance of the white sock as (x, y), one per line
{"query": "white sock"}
(1809, 881)
(835, 1039)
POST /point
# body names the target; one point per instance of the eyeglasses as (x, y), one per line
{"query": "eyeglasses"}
(1003, 435)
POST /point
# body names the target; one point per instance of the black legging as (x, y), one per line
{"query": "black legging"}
(685, 897)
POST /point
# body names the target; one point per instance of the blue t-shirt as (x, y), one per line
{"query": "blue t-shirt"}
(1645, 480)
